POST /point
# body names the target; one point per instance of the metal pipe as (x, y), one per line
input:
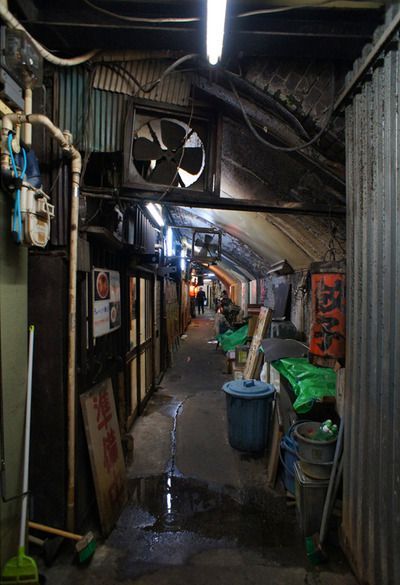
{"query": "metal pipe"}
(65, 141)
(72, 351)
(13, 23)
(27, 136)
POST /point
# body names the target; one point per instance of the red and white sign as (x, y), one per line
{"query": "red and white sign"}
(106, 301)
(105, 450)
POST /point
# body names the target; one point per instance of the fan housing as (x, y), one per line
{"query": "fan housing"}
(206, 245)
(171, 150)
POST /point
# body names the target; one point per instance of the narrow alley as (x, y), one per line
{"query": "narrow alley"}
(199, 292)
(198, 510)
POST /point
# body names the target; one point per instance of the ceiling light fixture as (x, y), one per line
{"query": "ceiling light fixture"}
(216, 10)
(156, 213)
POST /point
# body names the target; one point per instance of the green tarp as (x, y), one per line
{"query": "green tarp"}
(308, 381)
(231, 339)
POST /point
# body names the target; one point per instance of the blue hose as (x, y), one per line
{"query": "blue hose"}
(17, 216)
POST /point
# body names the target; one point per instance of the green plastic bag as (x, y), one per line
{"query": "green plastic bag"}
(308, 382)
(231, 339)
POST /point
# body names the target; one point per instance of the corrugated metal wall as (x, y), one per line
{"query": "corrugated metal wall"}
(92, 105)
(125, 78)
(371, 515)
(95, 118)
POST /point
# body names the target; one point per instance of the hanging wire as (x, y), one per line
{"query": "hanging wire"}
(117, 68)
(287, 148)
(17, 215)
(155, 20)
(333, 244)
(184, 19)
(167, 190)
(262, 11)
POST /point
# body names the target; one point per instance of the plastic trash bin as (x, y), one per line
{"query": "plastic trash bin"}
(249, 405)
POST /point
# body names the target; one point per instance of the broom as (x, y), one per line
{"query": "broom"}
(21, 568)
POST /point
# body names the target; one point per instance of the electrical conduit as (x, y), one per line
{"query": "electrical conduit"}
(13, 23)
(64, 139)
(17, 217)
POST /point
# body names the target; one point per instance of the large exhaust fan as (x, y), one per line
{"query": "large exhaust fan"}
(174, 151)
(167, 151)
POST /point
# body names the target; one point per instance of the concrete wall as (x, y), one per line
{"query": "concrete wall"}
(13, 360)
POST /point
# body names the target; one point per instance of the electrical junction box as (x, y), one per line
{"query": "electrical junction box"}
(37, 214)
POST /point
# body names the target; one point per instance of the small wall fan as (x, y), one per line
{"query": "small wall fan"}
(167, 151)
(206, 245)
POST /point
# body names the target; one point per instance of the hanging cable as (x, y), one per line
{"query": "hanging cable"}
(262, 11)
(166, 20)
(148, 87)
(13, 23)
(286, 148)
(155, 20)
(17, 216)
(171, 185)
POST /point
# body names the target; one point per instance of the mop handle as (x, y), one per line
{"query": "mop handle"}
(27, 439)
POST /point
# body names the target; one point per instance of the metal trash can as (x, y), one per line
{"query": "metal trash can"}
(249, 404)
(310, 500)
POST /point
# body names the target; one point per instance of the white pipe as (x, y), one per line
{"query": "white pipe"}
(28, 408)
(12, 22)
(65, 141)
(27, 136)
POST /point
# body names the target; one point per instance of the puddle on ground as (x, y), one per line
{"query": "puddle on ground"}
(170, 519)
(161, 403)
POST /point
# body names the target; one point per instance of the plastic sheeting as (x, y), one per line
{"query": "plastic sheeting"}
(308, 382)
(231, 339)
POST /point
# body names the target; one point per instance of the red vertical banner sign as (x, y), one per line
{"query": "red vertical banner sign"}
(328, 326)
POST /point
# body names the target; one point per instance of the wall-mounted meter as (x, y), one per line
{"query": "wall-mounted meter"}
(21, 66)
(37, 213)
(20, 58)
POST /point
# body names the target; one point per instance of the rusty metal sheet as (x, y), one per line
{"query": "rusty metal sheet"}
(127, 78)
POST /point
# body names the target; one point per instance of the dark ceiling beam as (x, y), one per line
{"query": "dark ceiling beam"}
(26, 9)
(202, 200)
(318, 34)
(284, 135)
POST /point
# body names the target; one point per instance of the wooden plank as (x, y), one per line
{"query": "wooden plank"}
(105, 450)
(263, 323)
(275, 443)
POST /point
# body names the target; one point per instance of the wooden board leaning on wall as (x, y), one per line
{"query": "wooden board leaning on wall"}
(105, 451)
(254, 359)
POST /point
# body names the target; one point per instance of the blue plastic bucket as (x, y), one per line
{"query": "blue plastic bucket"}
(288, 456)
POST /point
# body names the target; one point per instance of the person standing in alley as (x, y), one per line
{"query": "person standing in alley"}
(200, 298)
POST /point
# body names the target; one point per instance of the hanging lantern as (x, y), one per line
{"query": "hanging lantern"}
(328, 324)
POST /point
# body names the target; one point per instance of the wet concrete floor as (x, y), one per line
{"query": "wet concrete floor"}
(198, 510)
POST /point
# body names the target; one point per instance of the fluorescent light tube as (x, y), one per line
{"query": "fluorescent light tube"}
(216, 10)
(156, 213)
(170, 243)
(183, 259)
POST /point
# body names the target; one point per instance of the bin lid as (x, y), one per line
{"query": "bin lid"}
(249, 389)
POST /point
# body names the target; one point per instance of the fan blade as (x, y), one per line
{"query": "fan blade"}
(173, 135)
(144, 149)
(165, 173)
(192, 160)
(207, 251)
